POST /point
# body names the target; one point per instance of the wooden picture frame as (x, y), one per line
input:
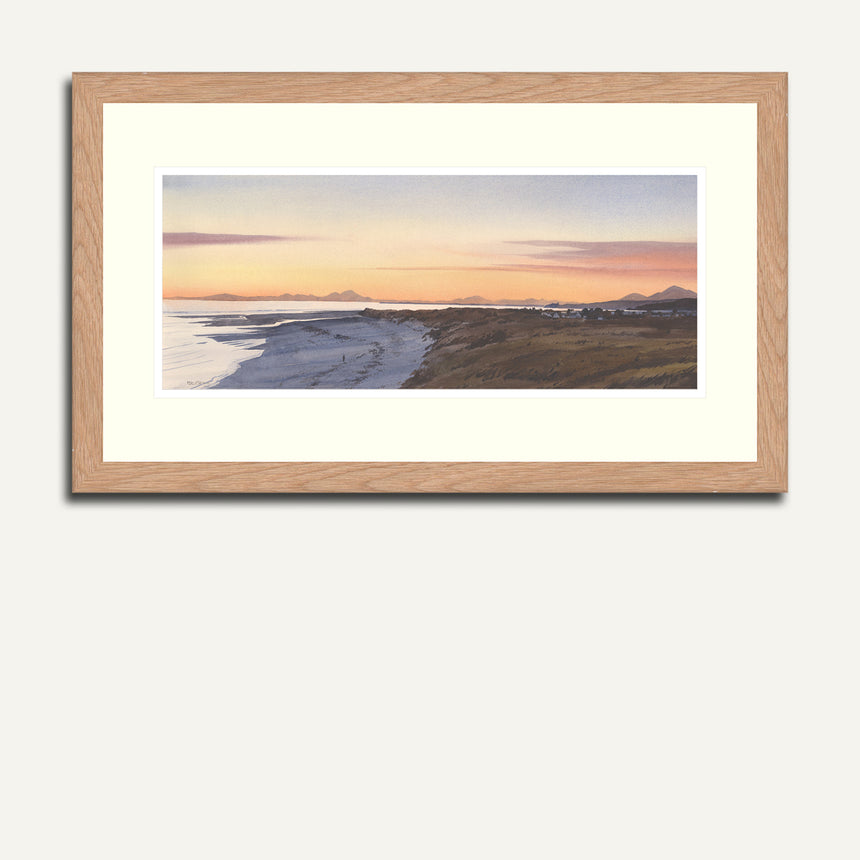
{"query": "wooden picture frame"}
(92, 474)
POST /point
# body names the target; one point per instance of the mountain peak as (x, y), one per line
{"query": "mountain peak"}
(345, 296)
(673, 292)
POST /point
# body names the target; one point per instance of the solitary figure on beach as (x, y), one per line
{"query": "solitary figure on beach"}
(344, 359)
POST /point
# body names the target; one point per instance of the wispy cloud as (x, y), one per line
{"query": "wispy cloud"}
(186, 239)
(544, 269)
(554, 257)
(604, 252)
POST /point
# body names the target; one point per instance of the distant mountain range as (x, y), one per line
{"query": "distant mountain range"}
(672, 293)
(632, 300)
(637, 300)
(346, 296)
(469, 300)
(665, 295)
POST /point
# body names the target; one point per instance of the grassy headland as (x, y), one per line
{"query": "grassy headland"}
(517, 348)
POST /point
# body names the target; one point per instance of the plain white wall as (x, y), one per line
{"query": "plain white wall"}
(408, 678)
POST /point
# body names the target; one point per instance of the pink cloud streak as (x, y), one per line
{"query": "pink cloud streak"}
(188, 239)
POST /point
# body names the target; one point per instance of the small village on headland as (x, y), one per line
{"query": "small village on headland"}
(681, 308)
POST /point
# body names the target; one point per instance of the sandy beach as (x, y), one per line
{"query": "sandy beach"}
(338, 351)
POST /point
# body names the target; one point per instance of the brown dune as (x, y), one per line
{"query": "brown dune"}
(515, 348)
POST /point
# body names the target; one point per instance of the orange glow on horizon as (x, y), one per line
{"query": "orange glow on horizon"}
(421, 284)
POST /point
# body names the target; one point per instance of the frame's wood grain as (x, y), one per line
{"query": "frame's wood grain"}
(91, 474)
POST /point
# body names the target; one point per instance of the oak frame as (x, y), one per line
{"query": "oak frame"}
(90, 474)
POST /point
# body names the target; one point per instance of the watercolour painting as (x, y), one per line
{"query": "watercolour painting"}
(564, 281)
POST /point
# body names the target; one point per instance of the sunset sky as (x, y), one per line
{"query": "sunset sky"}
(429, 237)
